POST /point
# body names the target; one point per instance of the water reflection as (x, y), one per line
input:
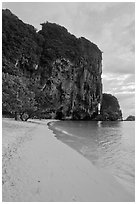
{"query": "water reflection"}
(114, 124)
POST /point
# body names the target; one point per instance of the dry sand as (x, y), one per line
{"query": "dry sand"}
(38, 167)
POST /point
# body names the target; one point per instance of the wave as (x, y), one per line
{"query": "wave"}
(57, 130)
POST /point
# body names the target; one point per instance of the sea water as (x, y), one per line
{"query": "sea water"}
(108, 145)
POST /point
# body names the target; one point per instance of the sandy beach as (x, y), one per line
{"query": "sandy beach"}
(38, 167)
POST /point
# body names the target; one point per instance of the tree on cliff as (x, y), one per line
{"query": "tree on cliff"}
(110, 108)
(17, 99)
(19, 40)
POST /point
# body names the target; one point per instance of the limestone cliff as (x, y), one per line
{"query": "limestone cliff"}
(77, 91)
(63, 72)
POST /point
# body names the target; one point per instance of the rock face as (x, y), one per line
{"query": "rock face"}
(130, 118)
(77, 91)
(67, 70)
(110, 108)
(74, 81)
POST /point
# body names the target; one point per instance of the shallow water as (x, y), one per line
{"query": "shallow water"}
(108, 145)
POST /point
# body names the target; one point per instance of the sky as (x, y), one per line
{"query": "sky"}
(110, 25)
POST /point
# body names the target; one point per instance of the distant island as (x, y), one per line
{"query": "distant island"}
(130, 118)
(52, 74)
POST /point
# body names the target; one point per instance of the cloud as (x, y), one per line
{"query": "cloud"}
(123, 87)
(116, 80)
(118, 50)
(127, 103)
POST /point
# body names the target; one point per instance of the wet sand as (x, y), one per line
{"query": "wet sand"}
(38, 167)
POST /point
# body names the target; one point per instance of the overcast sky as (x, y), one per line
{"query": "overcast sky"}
(109, 25)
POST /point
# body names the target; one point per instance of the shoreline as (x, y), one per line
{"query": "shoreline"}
(68, 136)
(45, 169)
